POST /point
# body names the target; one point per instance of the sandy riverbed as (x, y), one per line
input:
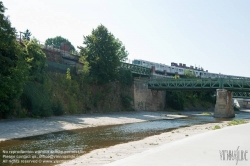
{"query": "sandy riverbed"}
(19, 128)
(27, 127)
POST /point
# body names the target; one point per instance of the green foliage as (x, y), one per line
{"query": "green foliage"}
(27, 34)
(104, 53)
(57, 108)
(68, 76)
(207, 113)
(36, 60)
(13, 68)
(216, 127)
(66, 91)
(176, 76)
(57, 41)
(125, 77)
(126, 101)
(86, 68)
(175, 100)
(189, 74)
(36, 100)
(236, 122)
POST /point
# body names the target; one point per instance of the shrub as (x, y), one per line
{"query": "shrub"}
(36, 100)
(57, 108)
(126, 101)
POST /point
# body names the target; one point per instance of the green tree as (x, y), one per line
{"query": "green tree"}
(13, 68)
(36, 60)
(26, 35)
(57, 41)
(104, 53)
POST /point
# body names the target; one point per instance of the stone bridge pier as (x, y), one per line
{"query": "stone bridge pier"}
(224, 107)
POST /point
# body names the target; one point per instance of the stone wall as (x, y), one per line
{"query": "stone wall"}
(146, 99)
(246, 103)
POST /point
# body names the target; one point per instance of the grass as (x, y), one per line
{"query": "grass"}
(216, 127)
(153, 144)
(236, 122)
(186, 135)
(207, 113)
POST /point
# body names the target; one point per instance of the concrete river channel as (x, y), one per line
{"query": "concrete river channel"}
(67, 145)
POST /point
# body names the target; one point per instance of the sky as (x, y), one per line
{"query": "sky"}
(213, 34)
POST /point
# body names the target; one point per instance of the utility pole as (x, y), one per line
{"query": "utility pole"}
(20, 39)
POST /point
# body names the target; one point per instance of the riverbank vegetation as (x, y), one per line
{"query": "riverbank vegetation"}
(180, 100)
(27, 88)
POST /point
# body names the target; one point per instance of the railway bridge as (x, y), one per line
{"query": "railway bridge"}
(225, 90)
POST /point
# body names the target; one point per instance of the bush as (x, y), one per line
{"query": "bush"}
(126, 101)
(57, 108)
(36, 100)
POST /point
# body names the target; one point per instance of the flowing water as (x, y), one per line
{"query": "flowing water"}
(52, 148)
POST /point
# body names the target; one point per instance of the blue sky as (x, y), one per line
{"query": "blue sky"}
(213, 34)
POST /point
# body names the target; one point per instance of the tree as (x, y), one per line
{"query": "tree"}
(36, 60)
(104, 53)
(189, 74)
(57, 41)
(13, 68)
(26, 35)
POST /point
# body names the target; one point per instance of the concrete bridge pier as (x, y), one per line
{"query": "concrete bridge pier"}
(223, 106)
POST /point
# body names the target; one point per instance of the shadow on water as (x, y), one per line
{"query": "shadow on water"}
(53, 148)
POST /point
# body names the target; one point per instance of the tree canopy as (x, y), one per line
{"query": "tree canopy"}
(13, 68)
(57, 41)
(103, 52)
(27, 34)
(36, 60)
